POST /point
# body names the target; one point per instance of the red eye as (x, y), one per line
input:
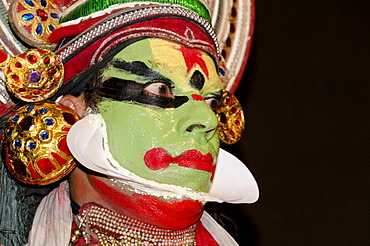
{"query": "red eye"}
(158, 89)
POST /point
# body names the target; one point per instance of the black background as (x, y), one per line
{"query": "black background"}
(305, 94)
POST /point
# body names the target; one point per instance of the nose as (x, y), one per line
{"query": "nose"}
(197, 120)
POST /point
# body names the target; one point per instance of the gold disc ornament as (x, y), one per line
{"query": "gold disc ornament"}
(230, 118)
(34, 143)
(35, 75)
(34, 20)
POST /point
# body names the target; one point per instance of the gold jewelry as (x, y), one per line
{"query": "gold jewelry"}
(76, 235)
(230, 118)
(111, 228)
(34, 76)
(34, 20)
(34, 143)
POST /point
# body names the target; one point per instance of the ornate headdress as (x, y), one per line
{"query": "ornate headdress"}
(93, 31)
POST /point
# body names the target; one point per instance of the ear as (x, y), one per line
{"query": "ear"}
(75, 103)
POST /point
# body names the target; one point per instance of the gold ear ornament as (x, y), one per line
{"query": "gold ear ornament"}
(34, 144)
(34, 76)
(230, 117)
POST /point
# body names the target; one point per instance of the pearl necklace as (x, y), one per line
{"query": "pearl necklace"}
(110, 228)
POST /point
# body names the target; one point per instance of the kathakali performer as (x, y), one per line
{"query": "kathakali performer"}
(126, 117)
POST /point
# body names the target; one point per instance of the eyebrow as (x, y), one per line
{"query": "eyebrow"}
(128, 90)
(139, 68)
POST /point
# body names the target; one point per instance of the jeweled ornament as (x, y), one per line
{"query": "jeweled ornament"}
(34, 76)
(34, 20)
(230, 118)
(34, 144)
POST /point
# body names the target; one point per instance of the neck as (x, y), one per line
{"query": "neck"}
(161, 213)
(99, 224)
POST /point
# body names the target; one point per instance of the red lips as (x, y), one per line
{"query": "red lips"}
(159, 158)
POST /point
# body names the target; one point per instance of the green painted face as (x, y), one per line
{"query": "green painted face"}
(157, 112)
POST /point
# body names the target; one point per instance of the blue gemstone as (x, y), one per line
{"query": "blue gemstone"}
(16, 117)
(30, 3)
(51, 28)
(17, 143)
(29, 108)
(39, 29)
(222, 72)
(49, 121)
(44, 135)
(32, 145)
(27, 17)
(54, 15)
(43, 110)
(43, 3)
(9, 133)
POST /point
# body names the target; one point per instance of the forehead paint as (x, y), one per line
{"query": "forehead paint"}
(180, 69)
(197, 80)
(131, 63)
(192, 58)
(167, 59)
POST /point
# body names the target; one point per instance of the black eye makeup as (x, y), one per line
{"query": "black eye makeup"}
(157, 93)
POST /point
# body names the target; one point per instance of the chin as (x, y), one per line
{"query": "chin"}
(173, 214)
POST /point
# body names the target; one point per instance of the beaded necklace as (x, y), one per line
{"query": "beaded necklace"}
(95, 222)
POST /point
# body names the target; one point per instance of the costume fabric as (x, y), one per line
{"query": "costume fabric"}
(56, 207)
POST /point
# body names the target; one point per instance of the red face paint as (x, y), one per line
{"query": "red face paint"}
(197, 97)
(158, 158)
(172, 215)
(192, 58)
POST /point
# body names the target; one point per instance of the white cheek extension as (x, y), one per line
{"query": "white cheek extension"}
(87, 141)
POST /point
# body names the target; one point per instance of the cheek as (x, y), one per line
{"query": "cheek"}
(134, 129)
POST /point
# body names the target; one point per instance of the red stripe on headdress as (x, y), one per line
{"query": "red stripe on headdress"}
(171, 28)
